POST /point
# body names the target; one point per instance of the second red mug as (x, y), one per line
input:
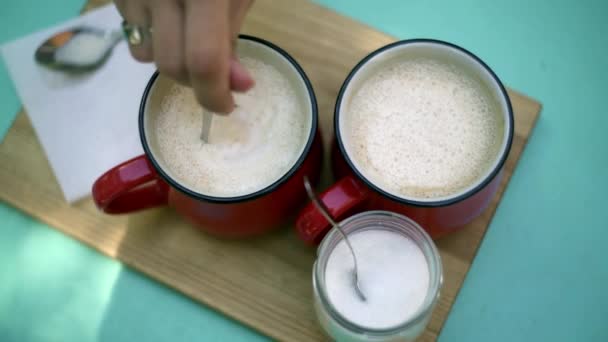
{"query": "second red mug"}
(144, 182)
(355, 192)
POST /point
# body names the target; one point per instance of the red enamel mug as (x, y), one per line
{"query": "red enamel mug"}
(143, 182)
(354, 192)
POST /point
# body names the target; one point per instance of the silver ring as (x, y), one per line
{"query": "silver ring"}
(134, 33)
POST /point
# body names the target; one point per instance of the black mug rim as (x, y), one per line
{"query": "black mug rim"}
(259, 193)
(430, 204)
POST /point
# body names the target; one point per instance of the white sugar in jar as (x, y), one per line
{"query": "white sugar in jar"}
(400, 273)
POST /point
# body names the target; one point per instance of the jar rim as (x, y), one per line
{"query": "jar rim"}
(359, 222)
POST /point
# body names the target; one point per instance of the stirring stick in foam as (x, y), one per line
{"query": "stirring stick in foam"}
(207, 118)
(323, 209)
(206, 129)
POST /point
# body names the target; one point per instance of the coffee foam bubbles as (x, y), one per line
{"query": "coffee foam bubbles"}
(248, 150)
(422, 129)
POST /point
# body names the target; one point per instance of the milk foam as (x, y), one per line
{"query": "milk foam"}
(422, 128)
(248, 150)
(393, 274)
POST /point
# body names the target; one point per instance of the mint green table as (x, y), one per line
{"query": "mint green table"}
(540, 274)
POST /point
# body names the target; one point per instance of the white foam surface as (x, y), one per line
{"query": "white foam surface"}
(248, 149)
(422, 128)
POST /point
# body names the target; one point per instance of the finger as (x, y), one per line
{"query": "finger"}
(208, 53)
(136, 13)
(240, 78)
(238, 10)
(121, 6)
(168, 39)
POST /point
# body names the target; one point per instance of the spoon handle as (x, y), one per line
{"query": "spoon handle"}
(207, 119)
(115, 36)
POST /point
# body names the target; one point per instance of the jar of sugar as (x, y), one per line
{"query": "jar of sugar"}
(400, 275)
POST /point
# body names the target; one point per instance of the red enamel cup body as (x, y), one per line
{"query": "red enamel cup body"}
(354, 192)
(142, 182)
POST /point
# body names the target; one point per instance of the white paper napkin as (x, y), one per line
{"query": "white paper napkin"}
(86, 124)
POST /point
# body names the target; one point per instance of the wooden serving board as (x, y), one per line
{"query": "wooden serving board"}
(264, 283)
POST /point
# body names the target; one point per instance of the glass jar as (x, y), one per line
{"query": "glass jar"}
(339, 327)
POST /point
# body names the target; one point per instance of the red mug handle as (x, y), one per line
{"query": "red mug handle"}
(341, 199)
(131, 186)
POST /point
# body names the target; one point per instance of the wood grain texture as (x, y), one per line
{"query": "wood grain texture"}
(266, 282)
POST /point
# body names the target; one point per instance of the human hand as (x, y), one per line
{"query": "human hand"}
(193, 43)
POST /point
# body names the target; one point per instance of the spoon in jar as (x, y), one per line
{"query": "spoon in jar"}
(325, 212)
